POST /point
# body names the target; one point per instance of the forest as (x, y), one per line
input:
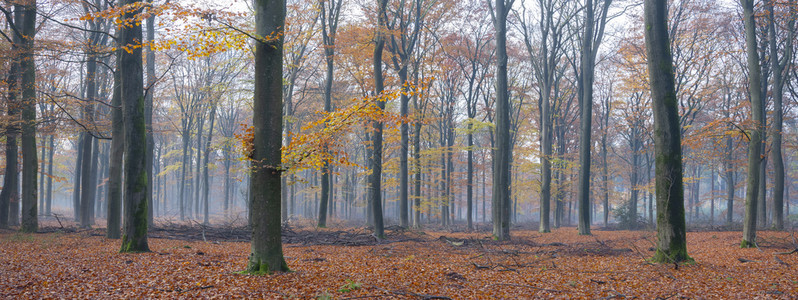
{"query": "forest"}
(411, 149)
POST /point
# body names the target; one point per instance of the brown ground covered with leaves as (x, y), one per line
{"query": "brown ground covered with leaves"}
(409, 264)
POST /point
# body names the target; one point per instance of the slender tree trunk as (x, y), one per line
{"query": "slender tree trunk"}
(49, 202)
(404, 100)
(671, 229)
(205, 162)
(9, 197)
(77, 179)
(729, 166)
(583, 189)
(88, 183)
(114, 216)
(757, 116)
(778, 67)
(148, 114)
(418, 171)
(42, 167)
(375, 160)
(501, 162)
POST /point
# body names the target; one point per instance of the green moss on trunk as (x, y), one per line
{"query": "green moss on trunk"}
(747, 244)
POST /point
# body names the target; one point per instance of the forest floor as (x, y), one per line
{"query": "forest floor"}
(192, 261)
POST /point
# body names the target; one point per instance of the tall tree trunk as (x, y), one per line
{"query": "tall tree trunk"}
(757, 116)
(671, 231)
(9, 196)
(418, 171)
(134, 234)
(95, 153)
(148, 114)
(266, 254)
(185, 165)
(49, 201)
(30, 160)
(375, 160)
(42, 167)
(729, 166)
(778, 66)
(114, 214)
(205, 162)
(501, 162)
(605, 178)
(330, 10)
(196, 176)
(88, 181)
(77, 179)
(583, 188)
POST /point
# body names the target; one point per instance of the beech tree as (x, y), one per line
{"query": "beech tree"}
(27, 84)
(502, 157)
(671, 228)
(375, 160)
(266, 254)
(330, 15)
(131, 82)
(757, 127)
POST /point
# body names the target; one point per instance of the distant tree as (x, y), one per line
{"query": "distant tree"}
(671, 229)
(330, 14)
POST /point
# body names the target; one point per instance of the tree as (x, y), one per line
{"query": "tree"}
(266, 254)
(30, 161)
(9, 197)
(330, 12)
(671, 228)
(591, 40)
(131, 82)
(375, 160)
(546, 60)
(114, 194)
(501, 160)
(757, 117)
(779, 66)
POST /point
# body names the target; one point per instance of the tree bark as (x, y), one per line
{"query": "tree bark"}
(49, 201)
(778, 66)
(501, 162)
(9, 197)
(134, 234)
(148, 115)
(266, 254)
(205, 162)
(757, 117)
(375, 159)
(583, 188)
(329, 27)
(30, 160)
(114, 213)
(671, 233)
